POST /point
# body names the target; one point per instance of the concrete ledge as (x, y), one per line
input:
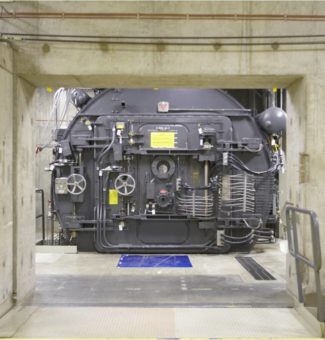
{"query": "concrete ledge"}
(56, 249)
(307, 318)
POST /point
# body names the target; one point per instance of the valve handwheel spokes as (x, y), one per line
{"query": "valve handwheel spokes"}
(76, 184)
(125, 184)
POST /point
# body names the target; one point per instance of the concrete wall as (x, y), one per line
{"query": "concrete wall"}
(293, 191)
(161, 65)
(17, 222)
(24, 189)
(6, 169)
(303, 182)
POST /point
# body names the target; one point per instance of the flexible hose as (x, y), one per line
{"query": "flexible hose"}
(107, 148)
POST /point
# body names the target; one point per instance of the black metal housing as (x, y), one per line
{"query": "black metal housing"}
(177, 170)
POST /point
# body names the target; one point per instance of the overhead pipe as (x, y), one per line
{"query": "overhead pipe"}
(170, 43)
(167, 40)
(6, 14)
(225, 37)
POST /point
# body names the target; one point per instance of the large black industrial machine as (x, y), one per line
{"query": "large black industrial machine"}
(156, 171)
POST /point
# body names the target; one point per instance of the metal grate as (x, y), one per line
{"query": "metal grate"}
(255, 269)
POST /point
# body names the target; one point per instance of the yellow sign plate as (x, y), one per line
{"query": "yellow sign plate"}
(120, 125)
(162, 139)
(112, 197)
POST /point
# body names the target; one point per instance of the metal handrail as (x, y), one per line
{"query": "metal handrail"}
(315, 262)
(42, 215)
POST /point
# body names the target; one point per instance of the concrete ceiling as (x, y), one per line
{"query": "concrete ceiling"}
(102, 64)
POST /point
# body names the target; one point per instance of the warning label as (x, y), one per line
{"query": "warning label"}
(162, 139)
(112, 197)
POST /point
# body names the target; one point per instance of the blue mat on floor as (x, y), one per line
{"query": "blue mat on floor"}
(148, 261)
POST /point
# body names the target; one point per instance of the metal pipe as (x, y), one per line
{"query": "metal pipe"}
(5, 14)
(206, 182)
(52, 212)
(52, 229)
(11, 34)
(194, 43)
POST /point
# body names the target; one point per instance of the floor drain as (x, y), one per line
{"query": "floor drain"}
(255, 269)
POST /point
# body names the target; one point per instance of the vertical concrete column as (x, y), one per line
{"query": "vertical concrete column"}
(6, 168)
(304, 181)
(291, 186)
(314, 164)
(24, 189)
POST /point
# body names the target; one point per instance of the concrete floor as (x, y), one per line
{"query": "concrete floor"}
(86, 295)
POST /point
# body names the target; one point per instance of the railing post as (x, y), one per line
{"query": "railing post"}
(315, 263)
